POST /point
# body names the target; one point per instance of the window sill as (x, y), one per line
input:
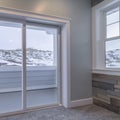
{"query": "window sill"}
(107, 71)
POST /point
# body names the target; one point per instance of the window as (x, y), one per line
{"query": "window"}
(10, 44)
(112, 42)
(63, 55)
(106, 36)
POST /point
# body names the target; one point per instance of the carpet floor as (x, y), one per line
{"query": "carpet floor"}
(91, 112)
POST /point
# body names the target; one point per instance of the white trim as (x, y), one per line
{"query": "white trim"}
(65, 65)
(65, 41)
(107, 71)
(81, 102)
(22, 14)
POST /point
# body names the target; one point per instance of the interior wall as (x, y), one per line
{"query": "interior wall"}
(79, 11)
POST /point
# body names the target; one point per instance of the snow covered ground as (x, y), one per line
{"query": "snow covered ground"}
(113, 58)
(45, 58)
(34, 57)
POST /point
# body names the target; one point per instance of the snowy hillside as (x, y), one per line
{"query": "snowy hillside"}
(113, 58)
(34, 57)
(45, 58)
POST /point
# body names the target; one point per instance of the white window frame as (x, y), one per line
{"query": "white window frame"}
(99, 36)
(24, 67)
(105, 28)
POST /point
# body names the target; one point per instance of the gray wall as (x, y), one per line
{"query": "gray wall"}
(95, 2)
(80, 13)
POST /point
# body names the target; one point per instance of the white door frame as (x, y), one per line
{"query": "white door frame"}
(65, 45)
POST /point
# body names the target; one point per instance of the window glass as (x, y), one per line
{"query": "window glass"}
(113, 53)
(40, 46)
(10, 66)
(10, 44)
(113, 17)
(113, 30)
(41, 49)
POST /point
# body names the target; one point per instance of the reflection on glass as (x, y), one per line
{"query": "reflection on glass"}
(10, 66)
(113, 54)
(41, 67)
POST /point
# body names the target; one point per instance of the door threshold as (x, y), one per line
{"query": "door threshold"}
(30, 109)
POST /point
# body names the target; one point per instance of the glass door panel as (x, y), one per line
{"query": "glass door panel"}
(10, 66)
(41, 66)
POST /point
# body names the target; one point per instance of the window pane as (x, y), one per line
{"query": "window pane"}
(10, 44)
(40, 47)
(41, 66)
(113, 30)
(113, 17)
(10, 66)
(113, 54)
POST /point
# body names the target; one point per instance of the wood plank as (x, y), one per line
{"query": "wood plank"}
(106, 105)
(105, 77)
(103, 85)
(115, 102)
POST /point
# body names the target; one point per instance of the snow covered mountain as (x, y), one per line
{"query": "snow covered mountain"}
(113, 58)
(45, 58)
(34, 57)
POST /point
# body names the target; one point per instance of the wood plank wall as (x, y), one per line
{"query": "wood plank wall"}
(106, 91)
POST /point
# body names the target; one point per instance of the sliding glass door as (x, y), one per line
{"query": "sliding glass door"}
(10, 66)
(41, 65)
(28, 66)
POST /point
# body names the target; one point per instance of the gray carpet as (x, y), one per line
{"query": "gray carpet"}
(91, 112)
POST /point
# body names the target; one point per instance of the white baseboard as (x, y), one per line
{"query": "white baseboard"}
(81, 102)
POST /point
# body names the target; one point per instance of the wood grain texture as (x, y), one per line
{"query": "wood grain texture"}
(106, 105)
(115, 102)
(106, 88)
(103, 85)
(105, 77)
